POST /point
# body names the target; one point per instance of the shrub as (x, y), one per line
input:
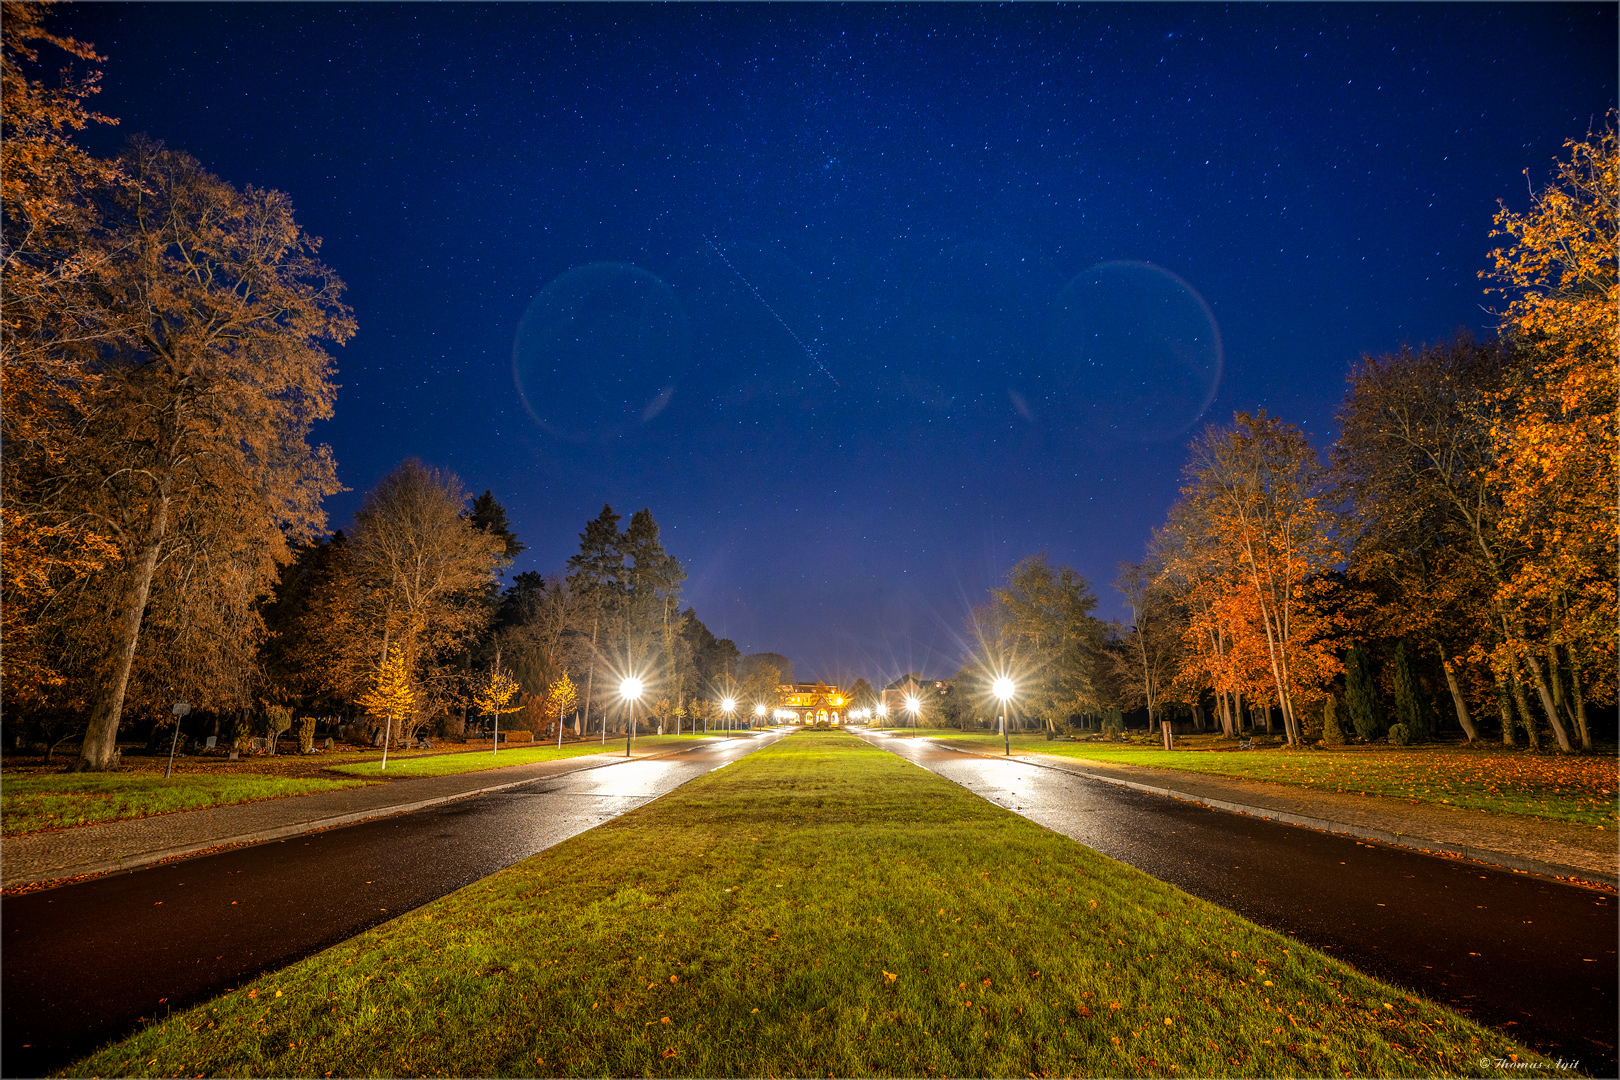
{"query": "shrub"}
(1399, 735)
(276, 720)
(1361, 695)
(1332, 733)
(306, 734)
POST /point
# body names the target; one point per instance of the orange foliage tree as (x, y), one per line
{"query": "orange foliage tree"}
(1255, 541)
(49, 323)
(1556, 472)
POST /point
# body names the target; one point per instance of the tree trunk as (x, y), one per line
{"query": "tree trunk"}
(1526, 717)
(1457, 701)
(1560, 732)
(590, 678)
(99, 750)
(1580, 704)
(1504, 706)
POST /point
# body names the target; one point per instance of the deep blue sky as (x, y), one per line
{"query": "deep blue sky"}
(855, 298)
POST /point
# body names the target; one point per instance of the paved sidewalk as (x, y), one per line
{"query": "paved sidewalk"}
(121, 845)
(1534, 845)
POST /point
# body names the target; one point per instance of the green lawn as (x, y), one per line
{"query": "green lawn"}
(1581, 789)
(60, 800)
(479, 760)
(824, 908)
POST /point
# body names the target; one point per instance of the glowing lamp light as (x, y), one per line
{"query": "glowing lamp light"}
(729, 704)
(630, 689)
(1002, 688)
(759, 710)
(912, 704)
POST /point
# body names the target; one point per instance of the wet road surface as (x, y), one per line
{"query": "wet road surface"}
(87, 963)
(1531, 956)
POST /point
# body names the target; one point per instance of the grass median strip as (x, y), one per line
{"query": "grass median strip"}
(31, 803)
(818, 907)
(1581, 790)
(480, 760)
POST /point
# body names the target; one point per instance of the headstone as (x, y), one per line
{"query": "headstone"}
(212, 741)
(328, 745)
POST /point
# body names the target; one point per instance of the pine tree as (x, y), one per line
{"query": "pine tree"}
(1361, 695)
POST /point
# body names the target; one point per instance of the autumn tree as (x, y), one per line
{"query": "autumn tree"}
(1147, 655)
(52, 240)
(422, 577)
(543, 629)
(1556, 470)
(760, 685)
(561, 697)
(493, 697)
(391, 696)
(195, 442)
(1257, 488)
(1419, 446)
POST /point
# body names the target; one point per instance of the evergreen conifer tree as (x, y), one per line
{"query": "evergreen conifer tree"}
(1332, 733)
(1361, 695)
(1411, 708)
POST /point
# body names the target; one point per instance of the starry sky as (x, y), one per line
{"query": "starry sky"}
(866, 303)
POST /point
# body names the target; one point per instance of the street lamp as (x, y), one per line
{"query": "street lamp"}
(759, 711)
(883, 713)
(728, 706)
(630, 690)
(913, 706)
(1003, 689)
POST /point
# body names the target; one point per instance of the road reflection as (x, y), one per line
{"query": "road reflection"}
(1535, 957)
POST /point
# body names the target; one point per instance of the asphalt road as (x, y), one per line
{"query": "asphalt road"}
(1531, 956)
(87, 963)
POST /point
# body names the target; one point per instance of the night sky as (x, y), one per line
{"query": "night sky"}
(866, 303)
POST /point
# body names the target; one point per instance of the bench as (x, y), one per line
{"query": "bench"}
(1245, 744)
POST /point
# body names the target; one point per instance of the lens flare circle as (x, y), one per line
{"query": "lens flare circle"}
(600, 351)
(1137, 351)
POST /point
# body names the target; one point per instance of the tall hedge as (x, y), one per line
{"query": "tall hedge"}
(1411, 707)
(1361, 695)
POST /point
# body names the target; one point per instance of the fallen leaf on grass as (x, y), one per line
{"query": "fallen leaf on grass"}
(889, 976)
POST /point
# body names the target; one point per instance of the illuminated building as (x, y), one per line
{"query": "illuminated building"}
(812, 703)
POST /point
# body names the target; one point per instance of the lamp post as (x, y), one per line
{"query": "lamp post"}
(630, 690)
(883, 713)
(1003, 689)
(913, 706)
(759, 712)
(729, 707)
